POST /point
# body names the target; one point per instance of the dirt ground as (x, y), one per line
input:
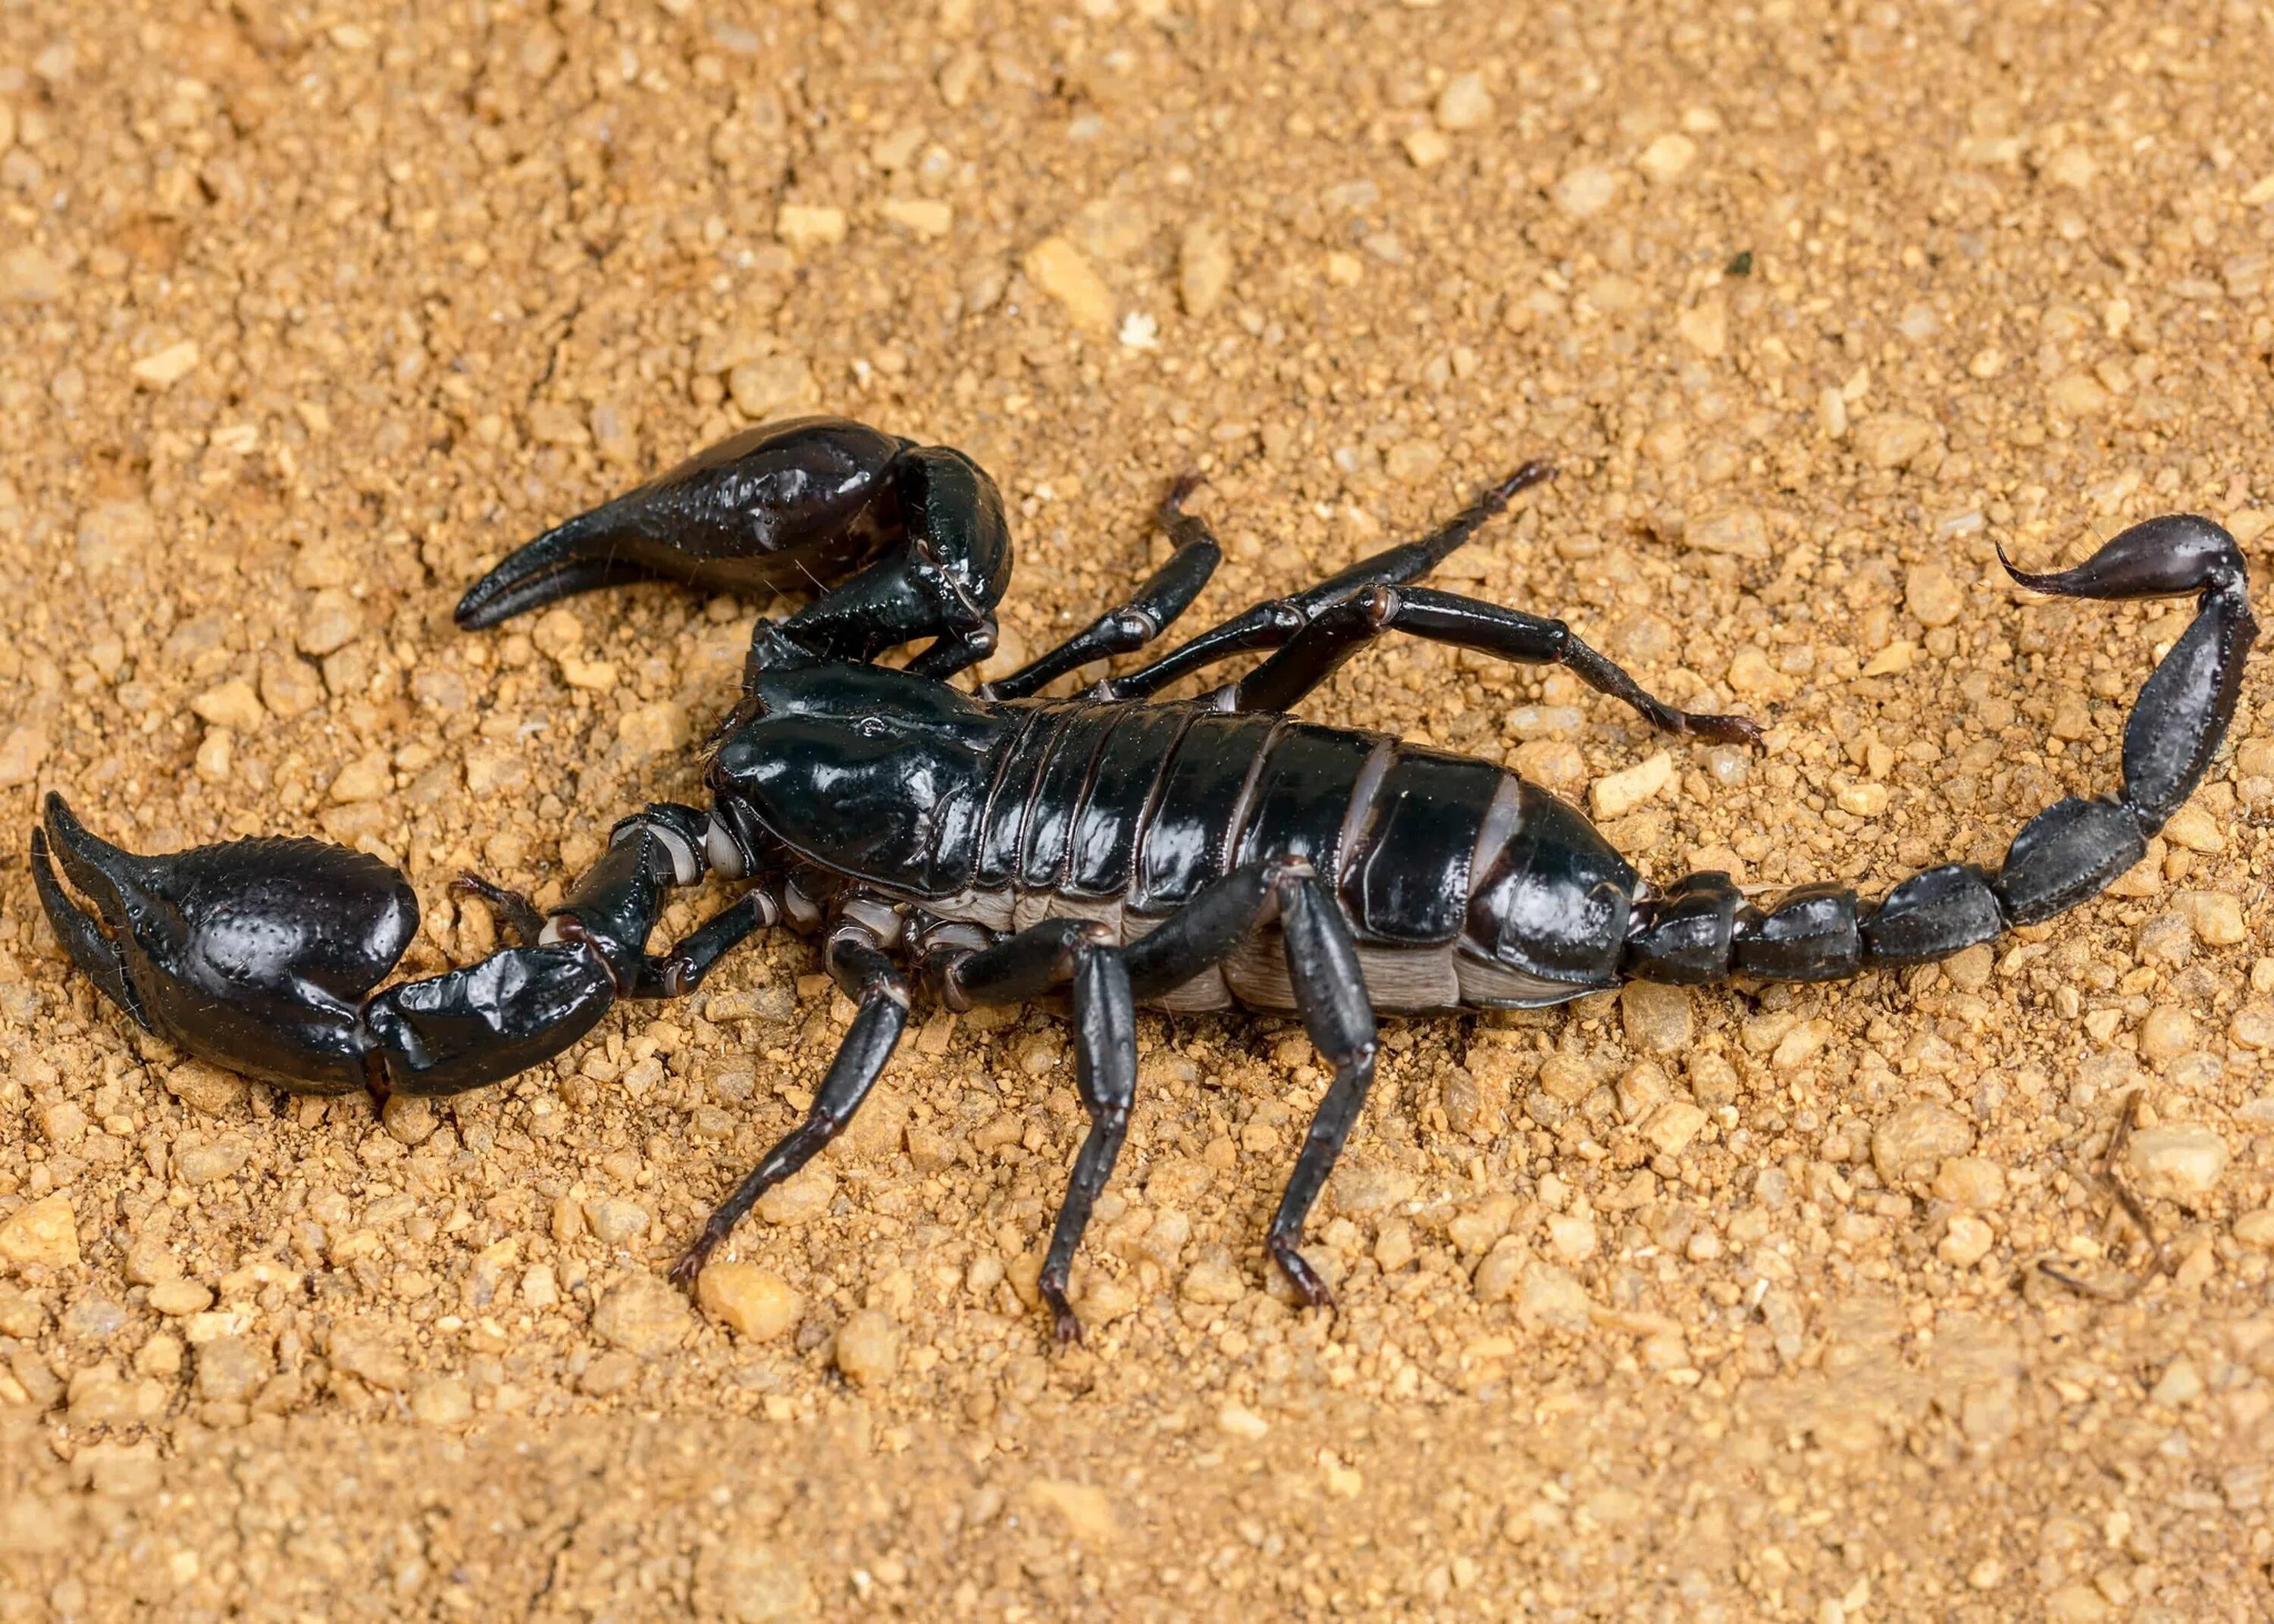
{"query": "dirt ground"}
(1814, 1304)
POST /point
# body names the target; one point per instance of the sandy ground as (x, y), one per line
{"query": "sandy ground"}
(1808, 1304)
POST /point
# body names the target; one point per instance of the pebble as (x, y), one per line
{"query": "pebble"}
(368, 1352)
(2076, 395)
(657, 729)
(2215, 917)
(1909, 1146)
(232, 704)
(801, 227)
(1345, 270)
(2166, 1033)
(615, 1221)
(1705, 327)
(176, 1299)
(771, 386)
(1089, 1513)
(1863, 799)
(2183, 1160)
(365, 779)
(2256, 1228)
(409, 1119)
(1586, 190)
(1891, 439)
(1427, 147)
(1464, 103)
(442, 1401)
(803, 1196)
(1572, 1239)
(203, 1164)
(1215, 1278)
(1970, 1181)
(1667, 158)
(2195, 829)
(1241, 1422)
(1734, 533)
(1393, 1246)
(290, 687)
(29, 277)
(1931, 594)
(21, 752)
(207, 1089)
(1552, 1300)
(1411, 461)
(1674, 1125)
(1204, 267)
(167, 366)
(1060, 270)
(1966, 1242)
(1657, 1017)
(1618, 794)
(868, 1348)
(756, 1303)
(2072, 166)
(44, 1233)
(644, 1316)
(928, 218)
(331, 621)
(214, 755)
(2253, 1027)
(230, 1368)
(112, 533)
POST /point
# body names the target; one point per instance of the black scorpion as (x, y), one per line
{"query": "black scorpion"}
(1194, 853)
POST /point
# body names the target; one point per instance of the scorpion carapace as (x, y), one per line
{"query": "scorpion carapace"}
(1194, 853)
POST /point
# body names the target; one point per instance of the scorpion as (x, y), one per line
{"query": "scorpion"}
(1112, 847)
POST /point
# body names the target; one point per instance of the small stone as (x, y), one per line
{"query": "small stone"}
(2072, 166)
(556, 423)
(1705, 327)
(45, 1233)
(745, 1579)
(331, 621)
(1618, 794)
(114, 533)
(409, 1119)
(1204, 267)
(2180, 1384)
(2076, 395)
(1673, 1126)
(800, 1199)
(2076, 1604)
(230, 1368)
(1411, 461)
(644, 1316)
(368, 1352)
(1736, 532)
(232, 705)
(653, 730)
(1891, 439)
(868, 1348)
(2256, 1228)
(1586, 190)
(1970, 1182)
(2166, 1033)
(2215, 917)
(1863, 799)
(1551, 1298)
(29, 277)
(1214, 1279)
(21, 752)
(1087, 1513)
(442, 1401)
(1910, 1145)
(207, 1089)
(1060, 270)
(1931, 594)
(1572, 1239)
(771, 386)
(801, 227)
(1393, 1247)
(928, 218)
(1345, 270)
(1496, 1276)
(176, 1298)
(204, 1164)
(365, 779)
(1667, 158)
(1800, 1045)
(290, 686)
(168, 367)
(90, 1318)
(609, 1374)
(2195, 829)
(615, 1221)
(1241, 1422)
(216, 751)
(1656, 1016)
(1464, 103)
(1105, 1299)
(1966, 1242)
(1427, 148)
(756, 1303)
(2182, 1162)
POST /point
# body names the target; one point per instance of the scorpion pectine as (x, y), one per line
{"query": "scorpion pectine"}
(1193, 854)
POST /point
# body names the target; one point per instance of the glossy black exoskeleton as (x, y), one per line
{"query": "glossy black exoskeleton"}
(1194, 853)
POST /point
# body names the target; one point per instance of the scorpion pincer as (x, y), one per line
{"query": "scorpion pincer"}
(1115, 846)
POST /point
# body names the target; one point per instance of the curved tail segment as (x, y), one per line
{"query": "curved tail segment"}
(1699, 929)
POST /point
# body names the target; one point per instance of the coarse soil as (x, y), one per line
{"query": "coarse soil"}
(1794, 1303)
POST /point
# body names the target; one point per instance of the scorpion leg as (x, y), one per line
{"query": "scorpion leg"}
(1699, 929)
(874, 983)
(1322, 647)
(1331, 997)
(1272, 624)
(1165, 594)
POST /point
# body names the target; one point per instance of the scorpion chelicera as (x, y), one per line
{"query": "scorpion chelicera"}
(1112, 845)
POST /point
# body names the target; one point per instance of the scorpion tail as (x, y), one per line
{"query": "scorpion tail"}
(1701, 931)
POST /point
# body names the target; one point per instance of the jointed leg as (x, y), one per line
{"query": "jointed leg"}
(877, 986)
(1167, 594)
(1270, 625)
(1331, 992)
(1317, 651)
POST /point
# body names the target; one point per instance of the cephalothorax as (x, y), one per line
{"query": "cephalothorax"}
(1194, 853)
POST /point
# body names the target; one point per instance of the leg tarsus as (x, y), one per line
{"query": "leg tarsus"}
(1105, 1071)
(514, 910)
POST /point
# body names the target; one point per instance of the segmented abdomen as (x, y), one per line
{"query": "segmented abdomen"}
(1457, 876)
